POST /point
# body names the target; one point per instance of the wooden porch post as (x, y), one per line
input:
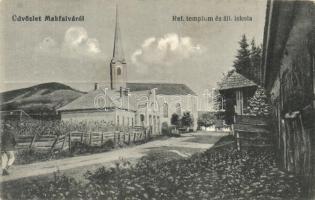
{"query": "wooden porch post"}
(239, 102)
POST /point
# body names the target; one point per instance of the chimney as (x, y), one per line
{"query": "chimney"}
(153, 91)
(120, 91)
(127, 90)
(95, 86)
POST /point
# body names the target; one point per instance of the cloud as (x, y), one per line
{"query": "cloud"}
(168, 50)
(148, 42)
(75, 36)
(76, 43)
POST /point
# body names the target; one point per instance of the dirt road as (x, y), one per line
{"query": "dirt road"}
(199, 141)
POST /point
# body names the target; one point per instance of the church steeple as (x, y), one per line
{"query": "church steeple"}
(118, 53)
(118, 68)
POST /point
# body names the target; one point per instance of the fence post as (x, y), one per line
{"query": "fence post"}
(32, 142)
(128, 136)
(90, 138)
(63, 143)
(233, 132)
(69, 141)
(134, 136)
(124, 136)
(82, 134)
(115, 137)
(145, 134)
(238, 141)
(54, 144)
(102, 139)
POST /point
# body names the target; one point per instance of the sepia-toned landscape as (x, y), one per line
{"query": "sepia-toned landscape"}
(157, 100)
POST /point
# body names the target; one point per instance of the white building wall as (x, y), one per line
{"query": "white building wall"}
(124, 118)
(96, 115)
(117, 117)
(188, 103)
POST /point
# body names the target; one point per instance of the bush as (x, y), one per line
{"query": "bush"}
(220, 173)
(175, 120)
(206, 119)
(61, 187)
(187, 120)
(165, 129)
(30, 156)
(82, 148)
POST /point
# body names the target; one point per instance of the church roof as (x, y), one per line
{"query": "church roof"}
(235, 80)
(98, 99)
(162, 88)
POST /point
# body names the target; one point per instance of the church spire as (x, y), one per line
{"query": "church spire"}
(118, 53)
(118, 66)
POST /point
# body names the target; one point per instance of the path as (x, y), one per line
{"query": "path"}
(108, 158)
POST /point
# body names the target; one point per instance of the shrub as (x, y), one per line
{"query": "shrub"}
(187, 120)
(82, 148)
(61, 187)
(165, 129)
(29, 156)
(220, 173)
(175, 120)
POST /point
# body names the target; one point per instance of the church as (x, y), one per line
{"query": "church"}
(129, 104)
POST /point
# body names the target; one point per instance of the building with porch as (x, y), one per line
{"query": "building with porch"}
(235, 90)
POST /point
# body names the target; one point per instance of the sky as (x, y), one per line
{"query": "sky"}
(156, 48)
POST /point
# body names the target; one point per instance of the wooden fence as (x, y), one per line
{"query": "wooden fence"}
(43, 142)
(55, 143)
(251, 131)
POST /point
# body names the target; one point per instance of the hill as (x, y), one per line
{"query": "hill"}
(39, 100)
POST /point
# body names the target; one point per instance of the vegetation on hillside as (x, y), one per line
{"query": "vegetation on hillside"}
(39, 101)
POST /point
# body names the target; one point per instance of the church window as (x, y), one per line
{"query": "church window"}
(142, 118)
(178, 109)
(118, 71)
(118, 120)
(165, 110)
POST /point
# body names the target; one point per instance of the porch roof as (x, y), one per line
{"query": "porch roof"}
(235, 80)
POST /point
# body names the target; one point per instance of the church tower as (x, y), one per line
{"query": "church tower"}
(118, 66)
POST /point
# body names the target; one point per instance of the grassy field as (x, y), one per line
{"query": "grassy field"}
(204, 139)
(171, 153)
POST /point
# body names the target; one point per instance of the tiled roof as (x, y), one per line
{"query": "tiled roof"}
(98, 99)
(235, 80)
(112, 98)
(162, 88)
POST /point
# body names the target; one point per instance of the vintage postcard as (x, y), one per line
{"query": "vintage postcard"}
(157, 99)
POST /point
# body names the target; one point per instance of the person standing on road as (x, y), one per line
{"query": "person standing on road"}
(8, 144)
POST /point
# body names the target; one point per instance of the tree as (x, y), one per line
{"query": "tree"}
(217, 100)
(242, 64)
(255, 57)
(258, 105)
(175, 119)
(187, 119)
(206, 119)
